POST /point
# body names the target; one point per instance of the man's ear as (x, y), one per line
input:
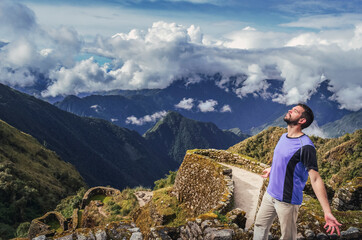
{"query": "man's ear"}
(302, 121)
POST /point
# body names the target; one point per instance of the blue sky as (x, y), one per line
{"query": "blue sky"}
(213, 16)
(150, 43)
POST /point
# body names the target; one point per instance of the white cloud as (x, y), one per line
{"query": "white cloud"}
(226, 108)
(16, 18)
(185, 103)
(326, 21)
(145, 119)
(254, 82)
(315, 130)
(97, 108)
(207, 106)
(155, 57)
(86, 76)
(350, 98)
(250, 38)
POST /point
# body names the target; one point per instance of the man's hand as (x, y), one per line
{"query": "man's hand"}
(266, 172)
(331, 224)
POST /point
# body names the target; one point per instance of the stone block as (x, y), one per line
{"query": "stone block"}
(136, 236)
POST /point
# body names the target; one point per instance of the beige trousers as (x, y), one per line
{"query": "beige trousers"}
(270, 208)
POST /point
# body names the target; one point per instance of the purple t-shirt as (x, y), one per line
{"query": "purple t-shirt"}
(293, 158)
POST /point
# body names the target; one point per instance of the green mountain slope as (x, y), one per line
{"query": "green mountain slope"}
(33, 179)
(103, 153)
(176, 134)
(339, 159)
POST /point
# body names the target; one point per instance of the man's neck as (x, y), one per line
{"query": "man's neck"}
(294, 131)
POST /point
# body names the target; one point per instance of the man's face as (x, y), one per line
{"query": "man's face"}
(293, 115)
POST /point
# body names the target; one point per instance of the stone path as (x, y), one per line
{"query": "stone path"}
(246, 192)
(144, 197)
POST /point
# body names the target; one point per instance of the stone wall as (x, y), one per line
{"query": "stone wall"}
(202, 185)
(98, 191)
(233, 158)
(41, 225)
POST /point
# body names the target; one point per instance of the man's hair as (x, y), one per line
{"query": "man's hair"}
(307, 114)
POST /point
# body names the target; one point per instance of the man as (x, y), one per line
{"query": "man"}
(294, 159)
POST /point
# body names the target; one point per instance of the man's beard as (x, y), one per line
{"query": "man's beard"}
(290, 122)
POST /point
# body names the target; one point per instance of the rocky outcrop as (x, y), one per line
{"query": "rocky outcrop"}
(116, 230)
(202, 185)
(348, 198)
(206, 227)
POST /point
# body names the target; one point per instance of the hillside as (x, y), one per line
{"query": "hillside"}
(103, 153)
(175, 134)
(347, 124)
(339, 159)
(33, 179)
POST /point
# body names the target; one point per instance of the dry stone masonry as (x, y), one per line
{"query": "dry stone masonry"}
(203, 185)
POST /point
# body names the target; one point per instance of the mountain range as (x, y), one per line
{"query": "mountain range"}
(106, 154)
(176, 134)
(103, 153)
(223, 107)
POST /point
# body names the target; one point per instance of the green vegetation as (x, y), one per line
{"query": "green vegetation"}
(222, 218)
(340, 159)
(54, 225)
(67, 205)
(168, 181)
(22, 230)
(311, 211)
(261, 146)
(32, 179)
(124, 204)
(164, 209)
(102, 198)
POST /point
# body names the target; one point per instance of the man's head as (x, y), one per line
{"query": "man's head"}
(300, 114)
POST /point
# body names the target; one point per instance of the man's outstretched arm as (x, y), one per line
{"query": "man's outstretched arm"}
(320, 192)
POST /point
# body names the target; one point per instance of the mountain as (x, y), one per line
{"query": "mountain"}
(224, 107)
(347, 124)
(103, 153)
(339, 159)
(32, 179)
(175, 134)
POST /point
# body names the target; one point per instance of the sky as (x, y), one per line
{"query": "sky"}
(99, 45)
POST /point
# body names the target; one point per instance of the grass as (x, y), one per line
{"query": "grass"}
(54, 225)
(80, 215)
(101, 197)
(311, 211)
(167, 205)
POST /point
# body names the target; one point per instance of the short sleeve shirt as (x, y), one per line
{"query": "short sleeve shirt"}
(293, 158)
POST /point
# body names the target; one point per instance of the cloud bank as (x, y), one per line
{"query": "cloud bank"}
(185, 103)
(145, 119)
(165, 52)
(207, 106)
